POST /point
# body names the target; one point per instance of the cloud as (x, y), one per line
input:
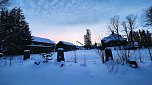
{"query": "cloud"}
(60, 11)
(68, 19)
(71, 12)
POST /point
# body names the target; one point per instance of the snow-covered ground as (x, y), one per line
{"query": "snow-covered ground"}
(88, 70)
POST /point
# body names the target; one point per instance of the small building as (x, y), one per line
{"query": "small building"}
(67, 46)
(40, 45)
(114, 40)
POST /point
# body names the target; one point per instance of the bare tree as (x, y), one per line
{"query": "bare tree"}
(128, 27)
(148, 17)
(101, 54)
(148, 22)
(4, 3)
(114, 25)
(131, 25)
(125, 29)
(126, 52)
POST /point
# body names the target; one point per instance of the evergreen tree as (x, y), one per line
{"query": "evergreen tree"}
(3, 29)
(145, 38)
(87, 39)
(135, 36)
(16, 32)
(148, 39)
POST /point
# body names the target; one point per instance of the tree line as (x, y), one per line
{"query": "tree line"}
(128, 26)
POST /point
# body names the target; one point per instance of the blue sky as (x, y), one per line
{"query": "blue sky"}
(68, 19)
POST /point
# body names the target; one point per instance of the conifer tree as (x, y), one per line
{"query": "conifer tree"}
(87, 39)
(15, 30)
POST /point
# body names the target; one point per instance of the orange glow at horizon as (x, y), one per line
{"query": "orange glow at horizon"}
(70, 33)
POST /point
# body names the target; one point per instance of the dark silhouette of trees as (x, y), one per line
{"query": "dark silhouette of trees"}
(131, 25)
(114, 25)
(87, 39)
(148, 16)
(14, 31)
(146, 40)
(125, 29)
(148, 22)
(136, 36)
(4, 3)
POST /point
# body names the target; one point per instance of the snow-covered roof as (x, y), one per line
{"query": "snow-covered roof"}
(67, 43)
(43, 40)
(113, 37)
(26, 50)
(38, 46)
(60, 49)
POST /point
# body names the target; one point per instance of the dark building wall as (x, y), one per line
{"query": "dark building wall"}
(41, 43)
(39, 49)
(65, 46)
(114, 43)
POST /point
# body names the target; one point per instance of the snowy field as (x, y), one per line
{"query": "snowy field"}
(88, 70)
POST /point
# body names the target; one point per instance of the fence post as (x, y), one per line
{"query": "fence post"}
(60, 54)
(108, 53)
(26, 54)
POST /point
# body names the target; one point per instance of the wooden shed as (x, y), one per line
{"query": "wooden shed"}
(40, 45)
(67, 46)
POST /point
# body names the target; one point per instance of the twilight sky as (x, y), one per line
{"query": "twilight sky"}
(67, 20)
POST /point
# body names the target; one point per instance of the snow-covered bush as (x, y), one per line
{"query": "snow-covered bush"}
(111, 65)
(123, 55)
(75, 57)
(84, 61)
(101, 54)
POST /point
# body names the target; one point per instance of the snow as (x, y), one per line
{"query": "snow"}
(88, 70)
(38, 46)
(43, 40)
(60, 49)
(67, 43)
(113, 37)
(136, 44)
(26, 50)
